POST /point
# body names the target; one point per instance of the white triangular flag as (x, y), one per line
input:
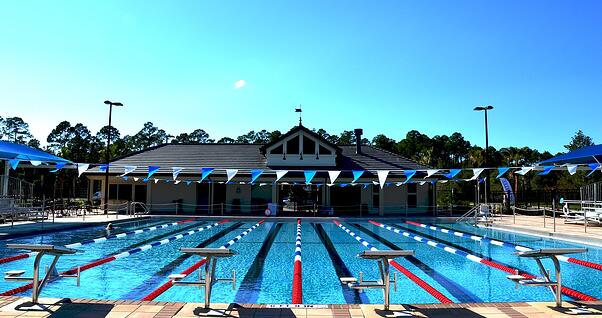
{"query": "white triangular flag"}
(230, 173)
(476, 172)
(127, 169)
(177, 181)
(36, 163)
(422, 183)
(156, 180)
(280, 174)
(572, 169)
(524, 170)
(333, 175)
(81, 168)
(136, 178)
(175, 171)
(382, 177)
(431, 172)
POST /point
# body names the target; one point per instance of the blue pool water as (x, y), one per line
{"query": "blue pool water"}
(264, 263)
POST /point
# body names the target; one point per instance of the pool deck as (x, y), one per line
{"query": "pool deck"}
(534, 225)
(87, 308)
(8, 230)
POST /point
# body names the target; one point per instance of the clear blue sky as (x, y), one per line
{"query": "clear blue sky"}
(385, 66)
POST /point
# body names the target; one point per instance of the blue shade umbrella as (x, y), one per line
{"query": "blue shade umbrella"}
(10, 151)
(589, 154)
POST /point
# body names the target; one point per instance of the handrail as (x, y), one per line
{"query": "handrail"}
(134, 211)
(468, 213)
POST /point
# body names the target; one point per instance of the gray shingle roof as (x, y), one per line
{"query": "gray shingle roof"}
(246, 157)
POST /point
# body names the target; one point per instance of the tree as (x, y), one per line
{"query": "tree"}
(103, 134)
(226, 140)
(578, 141)
(383, 142)
(60, 136)
(16, 130)
(274, 135)
(147, 137)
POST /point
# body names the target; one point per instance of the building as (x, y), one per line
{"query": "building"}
(297, 151)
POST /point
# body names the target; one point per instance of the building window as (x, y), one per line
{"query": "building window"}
(324, 151)
(120, 192)
(278, 150)
(292, 146)
(112, 192)
(96, 186)
(412, 197)
(309, 146)
(124, 192)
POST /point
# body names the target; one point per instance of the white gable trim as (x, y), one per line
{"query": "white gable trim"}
(300, 158)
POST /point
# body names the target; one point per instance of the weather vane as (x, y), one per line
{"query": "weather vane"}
(298, 110)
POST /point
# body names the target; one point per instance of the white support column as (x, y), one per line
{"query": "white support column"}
(5, 178)
(381, 201)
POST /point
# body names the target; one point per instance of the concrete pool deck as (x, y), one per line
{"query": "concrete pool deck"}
(534, 225)
(21, 228)
(88, 308)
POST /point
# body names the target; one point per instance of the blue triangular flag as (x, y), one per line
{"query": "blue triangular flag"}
(501, 171)
(366, 185)
(103, 168)
(255, 174)
(409, 174)
(205, 172)
(125, 178)
(14, 163)
(152, 170)
(546, 170)
(452, 173)
(59, 166)
(309, 174)
(594, 167)
(188, 182)
(356, 175)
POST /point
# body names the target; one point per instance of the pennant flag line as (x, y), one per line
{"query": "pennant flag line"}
(546, 170)
(524, 170)
(409, 174)
(255, 174)
(152, 170)
(128, 169)
(356, 175)
(14, 163)
(230, 173)
(594, 167)
(476, 173)
(175, 171)
(58, 166)
(382, 177)
(309, 174)
(280, 174)
(333, 175)
(501, 172)
(81, 168)
(452, 173)
(205, 172)
(572, 169)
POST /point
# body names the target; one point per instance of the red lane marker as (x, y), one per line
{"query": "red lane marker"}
(297, 297)
(585, 263)
(13, 258)
(429, 289)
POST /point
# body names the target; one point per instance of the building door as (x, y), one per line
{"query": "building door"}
(346, 200)
(219, 198)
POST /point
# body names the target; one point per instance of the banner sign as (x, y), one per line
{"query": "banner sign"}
(508, 190)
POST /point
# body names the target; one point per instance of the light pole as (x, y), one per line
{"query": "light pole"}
(485, 109)
(108, 154)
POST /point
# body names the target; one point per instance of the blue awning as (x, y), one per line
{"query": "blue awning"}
(584, 155)
(9, 151)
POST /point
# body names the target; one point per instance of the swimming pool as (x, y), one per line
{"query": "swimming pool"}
(446, 266)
